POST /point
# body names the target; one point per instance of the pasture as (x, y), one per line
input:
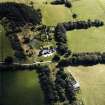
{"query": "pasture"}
(88, 40)
(54, 14)
(20, 88)
(92, 83)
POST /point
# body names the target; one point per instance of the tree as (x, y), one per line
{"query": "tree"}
(9, 60)
(56, 58)
(74, 16)
(31, 3)
(98, 23)
(56, 2)
(68, 4)
(62, 48)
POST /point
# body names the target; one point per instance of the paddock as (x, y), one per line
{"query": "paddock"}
(92, 83)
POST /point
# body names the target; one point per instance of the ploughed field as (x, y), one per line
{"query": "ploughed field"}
(92, 83)
(92, 39)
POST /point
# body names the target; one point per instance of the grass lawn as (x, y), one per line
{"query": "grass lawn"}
(92, 83)
(92, 39)
(89, 9)
(53, 14)
(20, 88)
(5, 46)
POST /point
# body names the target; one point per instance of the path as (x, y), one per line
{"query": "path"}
(24, 66)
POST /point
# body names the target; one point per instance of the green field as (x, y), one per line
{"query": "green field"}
(17, 88)
(52, 14)
(23, 88)
(20, 88)
(92, 39)
(5, 46)
(92, 83)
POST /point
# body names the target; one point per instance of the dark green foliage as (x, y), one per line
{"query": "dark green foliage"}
(86, 59)
(65, 86)
(58, 90)
(8, 60)
(56, 2)
(48, 86)
(60, 33)
(14, 16)
(62, 48)
(74, 16)
(60, 37)
(20, 13)
(68, 4)
(98, 23)
(56, 58)
(82, 24)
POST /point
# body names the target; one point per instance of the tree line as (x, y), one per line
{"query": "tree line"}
(65, 88)
(16, 67)
(83, 24)
(61, 28)
(67, 3)
(11, 33)
(86, 59)
(20, 13)
(58, 90)
(60, 38)
(13, 16)
(47, 85)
